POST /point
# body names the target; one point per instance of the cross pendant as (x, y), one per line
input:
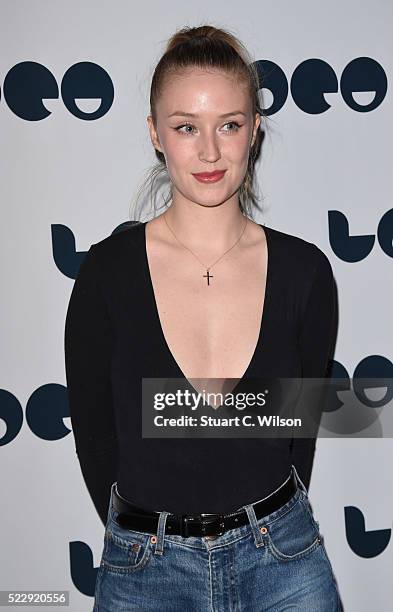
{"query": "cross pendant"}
(208, 276)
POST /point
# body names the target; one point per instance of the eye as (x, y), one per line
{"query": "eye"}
(182, 126)
(237, 126)
(189, 125)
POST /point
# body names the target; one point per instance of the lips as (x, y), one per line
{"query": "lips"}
(209, 177)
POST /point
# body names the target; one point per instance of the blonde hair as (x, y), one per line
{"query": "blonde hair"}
(204, 47)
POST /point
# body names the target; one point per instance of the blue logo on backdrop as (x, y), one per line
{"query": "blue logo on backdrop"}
(46, 409)
(314, 78)
(28, 84)
(355, 248)
(370, 368)
(366, 544)
(83, 572)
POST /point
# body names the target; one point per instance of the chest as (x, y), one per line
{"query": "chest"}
(210, 327)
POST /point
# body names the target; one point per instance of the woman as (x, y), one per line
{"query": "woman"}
(200, 291)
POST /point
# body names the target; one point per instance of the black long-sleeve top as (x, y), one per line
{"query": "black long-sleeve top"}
(113, 338)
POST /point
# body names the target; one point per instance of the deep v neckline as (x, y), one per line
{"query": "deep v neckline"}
(265, 306)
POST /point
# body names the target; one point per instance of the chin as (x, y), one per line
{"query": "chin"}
(211, 203)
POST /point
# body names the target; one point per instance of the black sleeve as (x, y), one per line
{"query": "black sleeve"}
(87, 344)
(315, 342)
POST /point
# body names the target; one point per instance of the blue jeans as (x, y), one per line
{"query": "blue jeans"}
(275, 563)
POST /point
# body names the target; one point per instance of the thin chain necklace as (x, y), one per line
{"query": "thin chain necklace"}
(207, 275)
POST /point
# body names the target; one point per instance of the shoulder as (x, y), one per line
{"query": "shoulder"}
(296, 255)
(126, 235)
(120, 247)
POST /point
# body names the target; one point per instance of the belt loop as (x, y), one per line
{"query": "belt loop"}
(159, 547)
(300, 481)
(249, 508)
(110, 502)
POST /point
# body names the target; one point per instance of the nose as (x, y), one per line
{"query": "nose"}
(209, 149)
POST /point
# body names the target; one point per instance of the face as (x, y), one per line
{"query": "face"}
(217, 136)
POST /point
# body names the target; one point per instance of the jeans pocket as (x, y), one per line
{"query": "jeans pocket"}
(294, 534)
(125, 551)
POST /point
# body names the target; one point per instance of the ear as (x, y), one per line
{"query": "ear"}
(153, 133)
(257, 122)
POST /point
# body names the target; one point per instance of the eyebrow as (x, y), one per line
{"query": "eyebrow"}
(183, 114)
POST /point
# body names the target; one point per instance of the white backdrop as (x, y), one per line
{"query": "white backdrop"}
(66, 172)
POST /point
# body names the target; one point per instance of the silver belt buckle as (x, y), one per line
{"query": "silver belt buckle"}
(218, 519)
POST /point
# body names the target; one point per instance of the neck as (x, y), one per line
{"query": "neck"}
(208, 228)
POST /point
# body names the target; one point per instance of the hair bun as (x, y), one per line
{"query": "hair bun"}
(189, 34)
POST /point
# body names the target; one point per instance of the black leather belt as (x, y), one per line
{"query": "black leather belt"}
(199, 525)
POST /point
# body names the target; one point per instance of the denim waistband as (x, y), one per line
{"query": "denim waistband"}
(238, 532)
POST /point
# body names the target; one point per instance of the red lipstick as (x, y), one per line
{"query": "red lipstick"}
(209, 177)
